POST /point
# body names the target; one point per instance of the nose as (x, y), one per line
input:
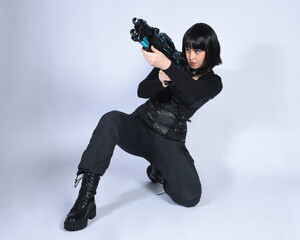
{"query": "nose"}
(192, 54)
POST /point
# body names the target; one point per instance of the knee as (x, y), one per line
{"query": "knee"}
(188, 198)
(110, 118)
(190, 201)
(108, 124)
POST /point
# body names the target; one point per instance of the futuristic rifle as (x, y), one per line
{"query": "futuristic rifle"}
(150, 36)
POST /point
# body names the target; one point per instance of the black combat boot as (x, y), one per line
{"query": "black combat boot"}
(154, 174)
(84, 207)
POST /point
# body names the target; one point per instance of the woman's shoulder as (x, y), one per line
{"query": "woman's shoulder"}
(213, 80)
(211, 75)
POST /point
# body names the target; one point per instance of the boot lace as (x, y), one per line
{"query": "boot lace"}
(84, 192)
(77, 181)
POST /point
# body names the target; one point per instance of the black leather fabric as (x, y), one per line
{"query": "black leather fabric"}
(163, 118)
(84, 207)
(154, 174)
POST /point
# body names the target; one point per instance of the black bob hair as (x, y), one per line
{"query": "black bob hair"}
(202, 36)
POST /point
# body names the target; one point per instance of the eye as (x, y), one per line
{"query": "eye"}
(197, 51)
(187, 50)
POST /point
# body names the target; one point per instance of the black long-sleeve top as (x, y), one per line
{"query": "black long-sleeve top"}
(188, 93)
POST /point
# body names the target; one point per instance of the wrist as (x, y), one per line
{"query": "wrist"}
(166, 65)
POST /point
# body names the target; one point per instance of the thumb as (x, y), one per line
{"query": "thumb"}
(154, 49)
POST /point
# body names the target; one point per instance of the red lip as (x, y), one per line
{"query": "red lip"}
(192, 63)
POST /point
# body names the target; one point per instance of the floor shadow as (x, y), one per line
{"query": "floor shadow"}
(149, 189)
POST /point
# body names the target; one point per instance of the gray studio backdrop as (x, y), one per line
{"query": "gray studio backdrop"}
(63, 64)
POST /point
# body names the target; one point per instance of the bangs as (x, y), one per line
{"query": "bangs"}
(195, 42)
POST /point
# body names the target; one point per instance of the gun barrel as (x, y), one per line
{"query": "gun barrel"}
(132, 32)
(150, 36)
(135, 20)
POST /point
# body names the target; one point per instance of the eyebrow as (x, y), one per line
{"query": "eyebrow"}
(196, 49)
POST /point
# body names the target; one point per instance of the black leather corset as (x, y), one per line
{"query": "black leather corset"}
(163, 117)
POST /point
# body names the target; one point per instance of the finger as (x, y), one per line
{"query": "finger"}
(148, 54)
(154, 49)
(143, 51)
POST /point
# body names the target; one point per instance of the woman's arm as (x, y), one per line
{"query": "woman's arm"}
(207, 86)
(151, 85)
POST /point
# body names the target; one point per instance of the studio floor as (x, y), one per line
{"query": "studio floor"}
(63, 64)
(36, 198)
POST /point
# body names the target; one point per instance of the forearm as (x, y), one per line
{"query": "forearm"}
(186, 84)
(148, 89)
(151, 85)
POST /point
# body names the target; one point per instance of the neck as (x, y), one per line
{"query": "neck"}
(200, 75)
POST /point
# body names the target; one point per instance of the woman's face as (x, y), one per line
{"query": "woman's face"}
(195, 57)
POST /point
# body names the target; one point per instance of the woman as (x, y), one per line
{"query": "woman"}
(157, 129)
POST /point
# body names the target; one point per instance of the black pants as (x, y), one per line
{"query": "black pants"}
(133, 136)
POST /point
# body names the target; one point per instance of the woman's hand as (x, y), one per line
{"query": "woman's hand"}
(163, 77)
(156, 58)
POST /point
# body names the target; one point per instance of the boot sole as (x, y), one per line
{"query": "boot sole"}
(149, 175)
(81, 224)
(158, 179)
